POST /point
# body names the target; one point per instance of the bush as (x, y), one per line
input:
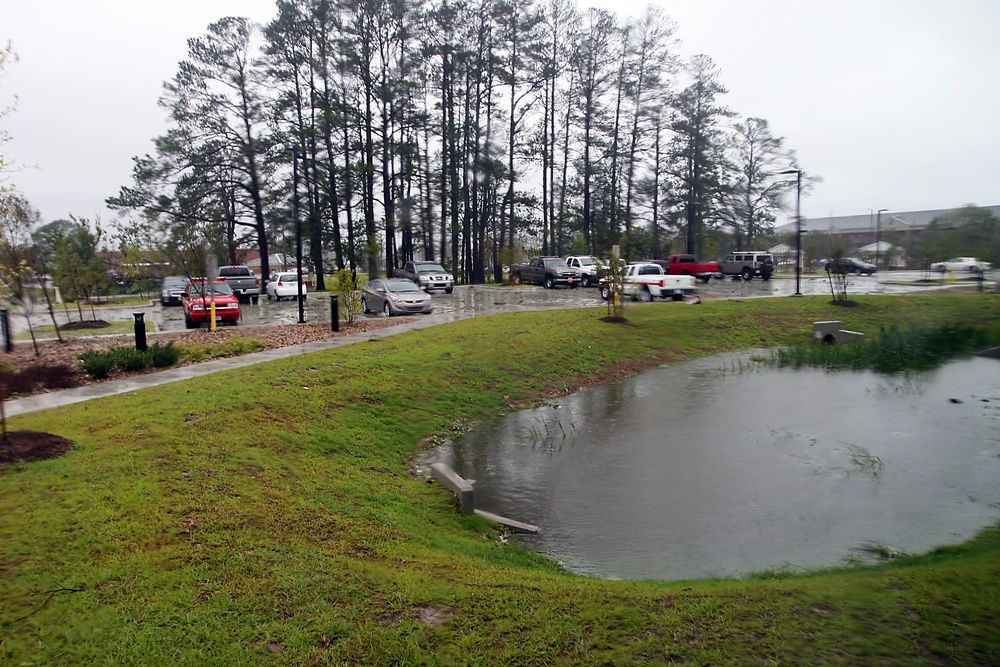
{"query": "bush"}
(164, 355)
(131, 359)
(97, 365)
(54, 376)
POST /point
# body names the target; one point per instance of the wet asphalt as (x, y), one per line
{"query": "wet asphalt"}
(465, 302)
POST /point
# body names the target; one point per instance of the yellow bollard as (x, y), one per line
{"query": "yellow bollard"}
(211, 316)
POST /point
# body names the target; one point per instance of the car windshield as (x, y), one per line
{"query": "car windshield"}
(218, 288)
(234, 271)
(586, 261)
(555, 263)
(430, 268)
(175, 281)
(401, 286)
(286, 277)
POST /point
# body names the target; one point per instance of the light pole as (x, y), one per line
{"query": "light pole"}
(878, 232)
(298, 229)
(798, 226)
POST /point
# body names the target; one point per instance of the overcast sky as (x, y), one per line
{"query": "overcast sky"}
(892, 102)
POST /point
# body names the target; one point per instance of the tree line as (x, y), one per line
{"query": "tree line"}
(462, 132)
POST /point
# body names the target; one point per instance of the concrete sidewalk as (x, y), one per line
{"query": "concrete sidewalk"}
(78, 395)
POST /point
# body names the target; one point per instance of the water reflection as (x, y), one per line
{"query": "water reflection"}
(710, 468)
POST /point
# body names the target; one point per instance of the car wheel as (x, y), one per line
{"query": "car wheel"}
(644, 295)
(188, 324)
(677, 297)
(586, 281)
(857, 272)
(517, 278)
(605, 292)
(765, 276)
(747, 273)
(549, 283)
(387, 310)
(705, 279)
(364, 306)
(255, 300)
(449, 290)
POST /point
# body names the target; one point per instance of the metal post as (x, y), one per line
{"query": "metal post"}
(298, 229)
(878, 234)
(798, 231)
(334, 313)
(140, 332)
(8, 338)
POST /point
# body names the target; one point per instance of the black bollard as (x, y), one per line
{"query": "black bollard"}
(334, 313)
(8, 338)
(140, 332)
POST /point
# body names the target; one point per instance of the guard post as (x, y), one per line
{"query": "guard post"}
(334, 313)
(140, 332)
(8, 338)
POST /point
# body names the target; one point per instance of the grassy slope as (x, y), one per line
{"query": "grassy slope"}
(265, 516)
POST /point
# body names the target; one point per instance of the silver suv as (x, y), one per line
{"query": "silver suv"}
(747, 264)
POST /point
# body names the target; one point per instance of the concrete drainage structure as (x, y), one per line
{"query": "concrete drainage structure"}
(832, 332)
(452, 481)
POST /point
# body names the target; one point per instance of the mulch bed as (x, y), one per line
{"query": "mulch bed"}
(23, 446)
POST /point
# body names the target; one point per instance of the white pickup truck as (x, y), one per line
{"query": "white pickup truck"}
(646, 281)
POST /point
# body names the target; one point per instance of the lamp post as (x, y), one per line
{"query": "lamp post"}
(298, 229)
(798, 226)
(878, 232)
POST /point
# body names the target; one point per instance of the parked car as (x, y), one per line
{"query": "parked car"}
(428, 275)
(197, 303)
(395, 296)
(549, 271)
(961, 264)
(748, 263)
(285, 285)
(171, 290)
(853, 265)
(590, 269)
(646, 281)
(244, 282)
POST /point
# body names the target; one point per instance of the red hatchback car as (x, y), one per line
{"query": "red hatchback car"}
(197, 303)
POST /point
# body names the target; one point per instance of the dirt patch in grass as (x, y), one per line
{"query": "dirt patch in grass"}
(86, 324)
(32, 446)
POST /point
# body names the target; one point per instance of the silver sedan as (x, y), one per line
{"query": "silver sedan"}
(393, 296)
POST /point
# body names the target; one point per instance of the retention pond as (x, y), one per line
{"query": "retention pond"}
(726, 467)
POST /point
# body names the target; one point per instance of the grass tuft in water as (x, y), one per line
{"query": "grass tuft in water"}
(893, 350)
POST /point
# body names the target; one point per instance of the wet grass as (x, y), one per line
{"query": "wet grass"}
(267, 515)
(894, 349)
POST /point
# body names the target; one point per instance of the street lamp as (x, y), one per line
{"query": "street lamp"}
(298, 228)
(798, 226)
(878, 231)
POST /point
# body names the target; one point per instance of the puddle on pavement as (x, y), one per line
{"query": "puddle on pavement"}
(720, 467)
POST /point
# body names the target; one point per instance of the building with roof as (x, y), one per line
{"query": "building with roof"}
(865, 234)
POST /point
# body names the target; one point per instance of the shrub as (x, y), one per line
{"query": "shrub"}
(97, 365)
(131, 359)
(54, 376)
(164, 355)
(348, 291)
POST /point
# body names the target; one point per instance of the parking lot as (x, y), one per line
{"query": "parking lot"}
(472, 300)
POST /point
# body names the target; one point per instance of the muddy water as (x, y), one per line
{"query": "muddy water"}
(714, 468)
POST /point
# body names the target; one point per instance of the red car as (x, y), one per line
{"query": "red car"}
(197, 303)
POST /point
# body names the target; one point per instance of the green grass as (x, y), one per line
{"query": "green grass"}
(265, 515)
